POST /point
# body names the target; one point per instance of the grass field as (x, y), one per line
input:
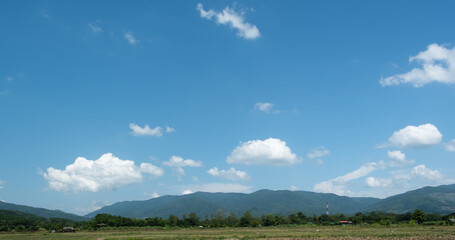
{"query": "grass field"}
(301, 232)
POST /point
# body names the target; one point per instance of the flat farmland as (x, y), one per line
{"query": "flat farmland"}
(301, 232)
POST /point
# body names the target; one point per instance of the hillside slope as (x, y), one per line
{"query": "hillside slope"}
(439, 199)
(429, 199)
(258, 203)
(41, 212)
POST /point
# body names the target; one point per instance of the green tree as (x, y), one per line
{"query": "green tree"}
(173, 220)
(419, 216)
(269, 220)
(246, 220)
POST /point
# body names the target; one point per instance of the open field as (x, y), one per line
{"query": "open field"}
(301, 232)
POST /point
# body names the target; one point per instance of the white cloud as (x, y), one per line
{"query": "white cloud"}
(450, 146)
(318, 152)
(9, 79)
(421, 136)
(338, 185)
(5, 92)
(1, 184)
(169, 129)
(376, 182)
(106, 173)
(152, 195)
(438, 65)
(146, 130)
(398, 158)
(95, 28)
(177, 163)
(422, 171)
(266, 107)
(185, 192)
(152, 170)
(95, 205)
(130, 37)
(271, 151)
(217, 187)
(294, 188)
(231, 174)
(230, 17)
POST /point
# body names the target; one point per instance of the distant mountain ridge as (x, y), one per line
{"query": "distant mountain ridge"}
(41, 212)
(439, 199)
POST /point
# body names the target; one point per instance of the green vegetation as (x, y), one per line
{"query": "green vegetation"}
(19, 222)
(429, 199)
(45, 213)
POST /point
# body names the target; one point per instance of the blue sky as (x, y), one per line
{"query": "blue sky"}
(107, 101)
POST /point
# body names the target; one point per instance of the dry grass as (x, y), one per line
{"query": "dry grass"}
(302, 232)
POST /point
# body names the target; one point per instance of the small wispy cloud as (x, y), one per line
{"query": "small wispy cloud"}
(130, 37)
(231, 174)
(157, 131)
(216, 187)
(152, 195)
(318, 152)
(146, 130)
(232, 18)
(450, 146)
(95, 28)
(178, 163)
(169, 129)
(44, 15)
(4, 92)
(9, 79)
(266, 107)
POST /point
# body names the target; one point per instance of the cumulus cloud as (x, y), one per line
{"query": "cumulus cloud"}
(231, 174)
(437, 65)
(177, 163)
(230, 17)
(152, 195)
(421, 136)
(450, 146)
(293, 188)
(104, 174)
(398, 158)
(318, 152)
(95, 28)
(217, 187)
(338, 185)
(154, 171)
(271, 151)
(130, 38)
(377, 182)
(422, 171)
(146, 130)
(266, 107)
(187, 191)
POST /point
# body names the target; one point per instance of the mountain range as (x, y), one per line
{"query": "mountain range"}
(439, 199)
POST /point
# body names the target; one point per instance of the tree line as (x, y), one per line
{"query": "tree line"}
(16, 221)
